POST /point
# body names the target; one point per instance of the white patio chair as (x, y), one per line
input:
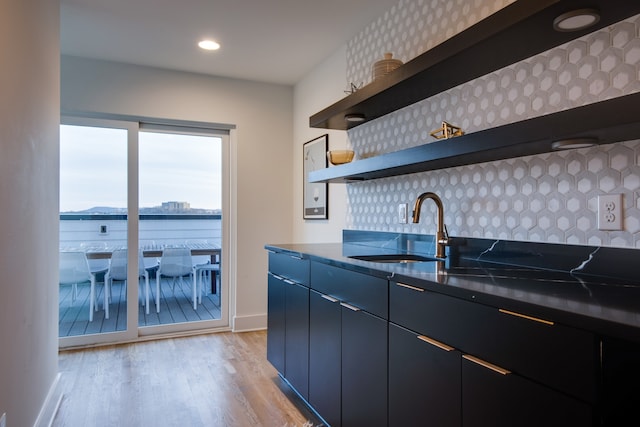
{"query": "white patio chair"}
(176, 263)
(74, 270)
(204, 272)
(118, 271)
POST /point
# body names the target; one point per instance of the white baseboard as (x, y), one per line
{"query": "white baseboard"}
(51, 404)
(254, 322)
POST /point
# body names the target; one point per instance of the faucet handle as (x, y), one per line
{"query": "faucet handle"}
(444, 240)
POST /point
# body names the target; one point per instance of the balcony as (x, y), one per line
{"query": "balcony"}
(97, 233)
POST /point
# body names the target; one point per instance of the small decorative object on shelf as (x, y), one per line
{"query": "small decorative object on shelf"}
(339, 157)
(385, 66)
(353, 88)
(447, 131)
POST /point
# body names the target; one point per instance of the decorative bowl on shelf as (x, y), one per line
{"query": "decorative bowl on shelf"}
(338, 157)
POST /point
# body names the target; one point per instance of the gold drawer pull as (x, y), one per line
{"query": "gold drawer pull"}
(328, 298)
(524, 316)
(487, 365)
(413, 288)
(349, 306)
(438, 344)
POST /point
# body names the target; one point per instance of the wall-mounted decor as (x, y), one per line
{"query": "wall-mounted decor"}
(315, 194)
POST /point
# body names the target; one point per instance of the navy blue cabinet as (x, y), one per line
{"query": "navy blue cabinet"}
(424, 380)
(349, 346)
(325, 357)
(288, 319)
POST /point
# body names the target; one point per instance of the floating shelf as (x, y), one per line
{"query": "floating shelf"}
(609, 121)
(514, 33)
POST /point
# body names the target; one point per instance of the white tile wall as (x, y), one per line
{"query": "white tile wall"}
(547, 198)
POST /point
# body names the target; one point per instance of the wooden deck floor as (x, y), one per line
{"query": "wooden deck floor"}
(174, 308)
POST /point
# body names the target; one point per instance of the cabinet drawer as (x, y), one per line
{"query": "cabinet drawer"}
(365, 292)
(290, 267)
(561, 357)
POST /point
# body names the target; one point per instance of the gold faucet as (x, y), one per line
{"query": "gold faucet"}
(441, 235)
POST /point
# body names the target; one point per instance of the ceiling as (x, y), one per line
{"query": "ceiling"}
(273, 41)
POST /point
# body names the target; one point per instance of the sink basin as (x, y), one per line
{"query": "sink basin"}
(396, 258)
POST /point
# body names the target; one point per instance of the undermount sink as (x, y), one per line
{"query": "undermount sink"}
(394, 258)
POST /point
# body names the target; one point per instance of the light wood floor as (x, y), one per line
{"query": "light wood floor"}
(220, 379)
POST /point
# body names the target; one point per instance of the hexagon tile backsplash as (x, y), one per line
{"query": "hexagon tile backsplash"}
(544, 198)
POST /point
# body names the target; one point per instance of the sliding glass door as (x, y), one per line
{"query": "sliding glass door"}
(180, 203)
(131, 195)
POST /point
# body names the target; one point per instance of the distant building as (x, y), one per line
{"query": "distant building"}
(176, 206)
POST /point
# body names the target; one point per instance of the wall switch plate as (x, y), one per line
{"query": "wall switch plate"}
(610, 212)
(402, 213)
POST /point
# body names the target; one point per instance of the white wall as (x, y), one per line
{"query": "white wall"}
(29, 117)
(317, 90)
(263, 116)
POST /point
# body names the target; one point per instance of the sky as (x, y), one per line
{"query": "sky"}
(172, 167)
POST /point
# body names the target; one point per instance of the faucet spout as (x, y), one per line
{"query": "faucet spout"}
(441, 235)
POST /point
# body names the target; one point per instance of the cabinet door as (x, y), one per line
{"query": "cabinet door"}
(325, 353)
(297, 337)
(276, 322)
(503, 399)
(424, 380)
(364, 368)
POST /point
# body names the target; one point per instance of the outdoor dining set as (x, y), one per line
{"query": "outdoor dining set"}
(177, 263)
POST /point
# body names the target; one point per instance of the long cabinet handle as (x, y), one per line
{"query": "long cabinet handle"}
(328, 298)
(433, 342)
(298, 257)
(413, 288)
(276, 276)
(525, 316)
(349, 306)
(291, 282)
(486, 364)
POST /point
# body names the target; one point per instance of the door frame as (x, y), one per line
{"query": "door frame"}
(133, 125)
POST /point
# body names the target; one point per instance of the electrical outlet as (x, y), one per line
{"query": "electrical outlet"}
(3, 420)
(610, 212)
(402, 213)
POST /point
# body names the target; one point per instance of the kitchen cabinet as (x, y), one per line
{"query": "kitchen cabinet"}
(424, 380)
(348, 314)
(288, 320)
(505, 399)
(325, 357)
(513, 369)
(621, 376)
(364, 368)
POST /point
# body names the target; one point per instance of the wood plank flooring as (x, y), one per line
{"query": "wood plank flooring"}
(220, 379)
(174, 308)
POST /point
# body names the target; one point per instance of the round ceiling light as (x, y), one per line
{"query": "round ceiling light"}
(576, 20)
(209, 45)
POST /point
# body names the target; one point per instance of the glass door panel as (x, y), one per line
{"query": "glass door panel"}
(93, 224)
(180, 199)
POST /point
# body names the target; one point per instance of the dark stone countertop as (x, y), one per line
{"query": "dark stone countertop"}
(507, 275)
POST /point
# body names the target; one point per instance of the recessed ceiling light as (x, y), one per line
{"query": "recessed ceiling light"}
(209, 45)
(576, 20)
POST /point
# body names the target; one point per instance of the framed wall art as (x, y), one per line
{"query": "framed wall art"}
(315, 195)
